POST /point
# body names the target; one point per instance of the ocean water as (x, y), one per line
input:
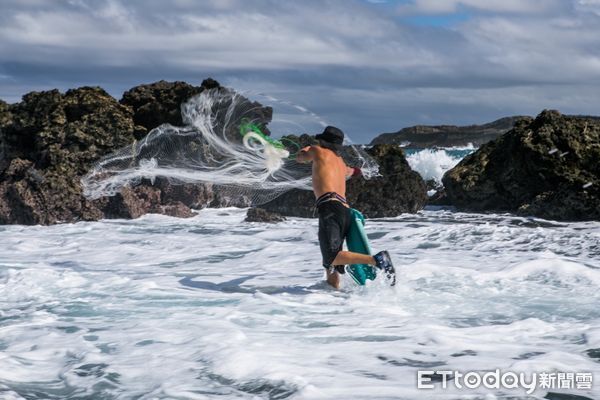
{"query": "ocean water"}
(433, 163)
(213, 307)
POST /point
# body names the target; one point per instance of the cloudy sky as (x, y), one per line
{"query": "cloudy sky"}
(366, 66)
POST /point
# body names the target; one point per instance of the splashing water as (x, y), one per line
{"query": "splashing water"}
(213, 307)
(434, 163)
(225, 142)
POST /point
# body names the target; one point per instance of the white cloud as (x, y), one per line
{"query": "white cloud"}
(281, 36)
(592, 6)
(502, 6)
(528, 52)
(271, 39)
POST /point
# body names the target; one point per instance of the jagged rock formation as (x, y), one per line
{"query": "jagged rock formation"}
(422, 136)
(549, 167)
(256, 214)
(398, 190)
(546, 167)
(49, 140)
(158, 103)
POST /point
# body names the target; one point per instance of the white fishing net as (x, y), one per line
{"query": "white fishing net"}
(237, 145)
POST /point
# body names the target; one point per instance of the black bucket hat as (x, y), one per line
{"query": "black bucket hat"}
(332, 138)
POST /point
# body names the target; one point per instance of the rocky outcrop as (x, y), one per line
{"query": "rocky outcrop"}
(49, 141)
(5, 120)
(255, 214)
(398, 190)
(143, 199)
(294, 203)
(548, 167)
(160, 102)
(422, 136)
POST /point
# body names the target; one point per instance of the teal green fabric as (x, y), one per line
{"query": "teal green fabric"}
(357, 242)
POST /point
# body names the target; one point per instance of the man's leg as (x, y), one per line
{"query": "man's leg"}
(381, 260)
(343, 258)
(348, 257)
(333, 278)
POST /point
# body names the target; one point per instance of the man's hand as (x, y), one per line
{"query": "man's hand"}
(305, 155)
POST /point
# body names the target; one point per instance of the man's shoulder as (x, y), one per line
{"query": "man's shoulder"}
(317, 150)
(329, 155)
(323, 151)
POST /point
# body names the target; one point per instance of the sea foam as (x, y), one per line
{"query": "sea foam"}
(160, 307)
(433, 163)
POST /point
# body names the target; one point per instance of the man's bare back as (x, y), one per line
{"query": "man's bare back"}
(329, 171)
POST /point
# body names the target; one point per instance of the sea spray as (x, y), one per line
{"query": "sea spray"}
(433, 163)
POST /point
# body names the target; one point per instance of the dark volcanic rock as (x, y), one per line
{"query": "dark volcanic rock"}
(140, 200)
(67, 132)
(158, 103)
(49, 141)
(176, 209)
(255, 214)
(133, 202)
(20, 199)
(223, 197)
(191, 195)
(295, 203)
(398, 190)
(547, 168)
(4, 113)
(421, 136)
(30, 196)
(5, 119)
(439, 198)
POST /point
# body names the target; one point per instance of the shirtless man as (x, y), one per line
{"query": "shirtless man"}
(329, 174)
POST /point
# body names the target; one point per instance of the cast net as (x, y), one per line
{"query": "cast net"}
(227, 142)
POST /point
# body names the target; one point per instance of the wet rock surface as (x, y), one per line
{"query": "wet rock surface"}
(48, 141)
(256, 214)
(547, 168)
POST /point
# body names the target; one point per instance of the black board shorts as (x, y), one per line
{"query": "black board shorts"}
(334, 224)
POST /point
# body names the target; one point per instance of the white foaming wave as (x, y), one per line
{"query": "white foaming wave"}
(468, 146)
(544, 267)
(8, 394)
(432, 164)
(33, 283)
(107, 307)
(563, 270)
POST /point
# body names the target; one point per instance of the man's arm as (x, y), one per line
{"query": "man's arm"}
(306, 155)
(352, 171)
(349, 172)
